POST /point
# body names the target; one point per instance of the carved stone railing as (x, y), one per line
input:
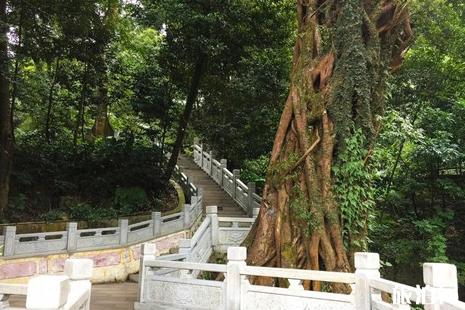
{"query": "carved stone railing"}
(243, 194)
(70, 291)
(74, 239)
(174, 284)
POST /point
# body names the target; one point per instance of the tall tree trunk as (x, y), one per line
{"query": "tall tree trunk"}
(336, 86)
(82, 100)
(102, 127)
(16, 73)
(186, 115)
(6, 138)
(48, 120)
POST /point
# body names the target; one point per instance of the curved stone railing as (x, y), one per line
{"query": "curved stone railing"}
(243, 194)
(74, 239)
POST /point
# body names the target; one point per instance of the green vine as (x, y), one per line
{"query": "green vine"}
(354, 190)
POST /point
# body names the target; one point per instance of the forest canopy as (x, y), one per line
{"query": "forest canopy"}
(93, 94)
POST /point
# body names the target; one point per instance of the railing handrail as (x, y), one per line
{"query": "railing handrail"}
(300, 274)
(157, 263)
(13, 289)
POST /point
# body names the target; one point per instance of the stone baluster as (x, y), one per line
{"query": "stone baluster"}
(185, 247)
(255, 212)
(251, 191)
(236, 259)
(201, 156)
(79, 271)
(72, 232)
(210, 167)
(212, 212)
(148, 252)
(156, 223)
(367, 267)
(9, 235)
(441, 284)
(123, 225)
(223, 165)
(236, 176)
(186, 215)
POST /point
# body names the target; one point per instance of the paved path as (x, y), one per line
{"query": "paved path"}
(115, 296)
(213, 195)
(121, 296)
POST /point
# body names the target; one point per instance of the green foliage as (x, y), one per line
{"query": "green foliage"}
(128, 200)
(355, 194)
(432, 231)
(118, 176)
(255, 171)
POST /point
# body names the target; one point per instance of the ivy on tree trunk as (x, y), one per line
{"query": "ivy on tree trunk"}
(342, 57)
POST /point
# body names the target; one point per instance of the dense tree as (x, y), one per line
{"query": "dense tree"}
(342, 53)
(6, 137)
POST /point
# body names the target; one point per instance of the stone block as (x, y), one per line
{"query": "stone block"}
(47, 292)
(440, 275)
(365, 260)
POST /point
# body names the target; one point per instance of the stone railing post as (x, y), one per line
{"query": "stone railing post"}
(255, 212)
(185, 247)
(367, 267)
(186, 215)
(9, 235)
(148, 252)
(156, 223)
(251, 192)
(123, 225)
(201, 156)
(47, 292)
(71, 229)
(210, 168)
(441, 284)
(236, 259)
(212, 212)
(223, 165)
(79, 271)
(236, 176)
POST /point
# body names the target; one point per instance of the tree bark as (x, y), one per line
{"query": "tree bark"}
(6, 138)
(337, 86)
(48, 119)
(102, 127)
(16, 73)
(82, 100)
(186, 115)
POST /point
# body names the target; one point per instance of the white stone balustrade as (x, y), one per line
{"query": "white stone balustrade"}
(70, 291)
(243, 194)
(74, 239)
(235, 292)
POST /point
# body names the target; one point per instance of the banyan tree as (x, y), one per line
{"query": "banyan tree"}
(345, 51)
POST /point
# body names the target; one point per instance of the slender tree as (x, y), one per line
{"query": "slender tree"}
(342, 56)
(6, 137)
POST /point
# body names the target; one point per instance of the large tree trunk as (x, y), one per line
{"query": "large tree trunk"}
(102, 126)
(6, 138)
(48, 119)
(342, 53)
(186, 115)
